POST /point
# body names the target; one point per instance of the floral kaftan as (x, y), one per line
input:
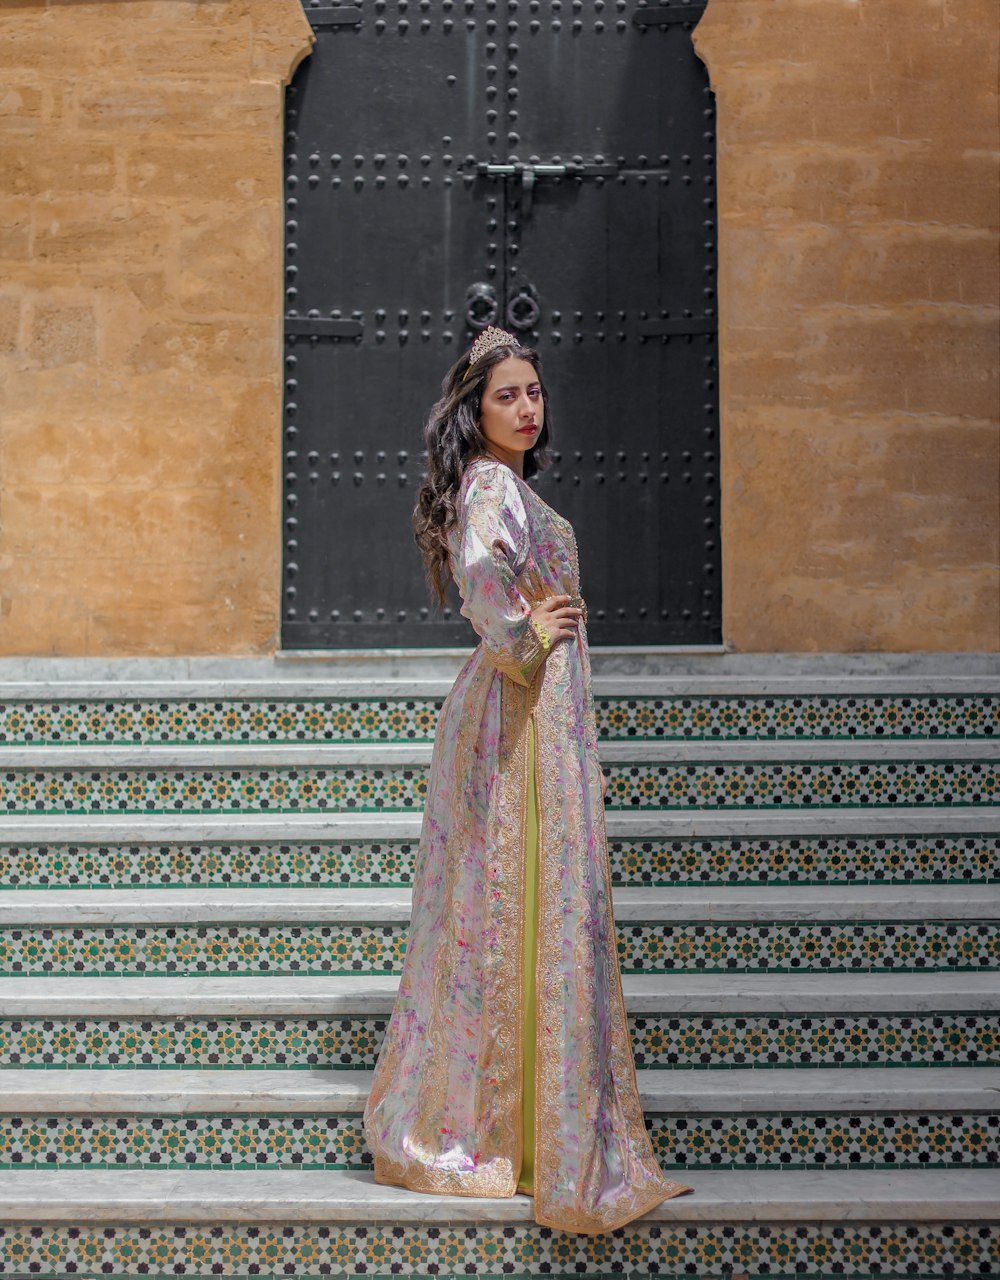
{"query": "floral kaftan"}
(444, 1112)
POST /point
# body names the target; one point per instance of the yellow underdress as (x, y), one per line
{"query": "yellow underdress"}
(526, 1180)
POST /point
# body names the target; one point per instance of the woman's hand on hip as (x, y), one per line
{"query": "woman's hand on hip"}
(557, 618)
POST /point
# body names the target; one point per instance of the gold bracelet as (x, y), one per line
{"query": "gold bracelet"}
(542, 634)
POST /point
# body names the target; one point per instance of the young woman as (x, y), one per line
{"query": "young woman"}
(507, 1064)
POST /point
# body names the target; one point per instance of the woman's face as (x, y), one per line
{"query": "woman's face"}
(512, 410)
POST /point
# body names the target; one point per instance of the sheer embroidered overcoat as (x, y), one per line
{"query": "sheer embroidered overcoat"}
(444, 1112)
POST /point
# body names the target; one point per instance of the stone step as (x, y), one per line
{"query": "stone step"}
(967, 1195)
(698, 1021)
(106, 1092)
(214, 713)
(400, 754)
(351, 1042)
(270, 1224)
(621, 825)
(708, 781)
(778, 1137)
(818, 847)
(315, 669)
(698, 995)
(720, 945)
(375, 906)
(427, 673)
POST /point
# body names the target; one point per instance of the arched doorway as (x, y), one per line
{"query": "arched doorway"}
(548, 164)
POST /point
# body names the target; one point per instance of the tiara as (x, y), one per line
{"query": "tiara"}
(490, 338)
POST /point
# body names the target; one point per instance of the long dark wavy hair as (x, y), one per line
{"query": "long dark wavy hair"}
(453, 437)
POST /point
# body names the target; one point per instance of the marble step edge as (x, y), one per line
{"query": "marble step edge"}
(400, 754)
(106, 1091)
(344, 688)
(373, 995)
(675, 668)
(832, 903)
(667, 825)
(286, 1196)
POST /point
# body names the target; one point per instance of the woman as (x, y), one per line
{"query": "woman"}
(507, 1063)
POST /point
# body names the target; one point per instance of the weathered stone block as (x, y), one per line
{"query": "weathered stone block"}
(162, 108)
(10, 322)
(226, 167)
(62, 333)
(76, 167)
(21, 105)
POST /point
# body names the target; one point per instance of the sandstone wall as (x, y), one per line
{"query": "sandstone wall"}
(858, 307)
(140, 322)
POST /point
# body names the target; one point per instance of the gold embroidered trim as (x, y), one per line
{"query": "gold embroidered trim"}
(497, 1120)
(542, 634)
(526, 783)
(507, 833)
(555, 1207)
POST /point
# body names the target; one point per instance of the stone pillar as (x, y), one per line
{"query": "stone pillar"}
(141, 241)
(858, 289)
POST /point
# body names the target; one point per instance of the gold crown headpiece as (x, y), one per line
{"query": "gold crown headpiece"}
(490, 338)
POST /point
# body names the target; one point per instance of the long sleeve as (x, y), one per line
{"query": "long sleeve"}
(489, 545)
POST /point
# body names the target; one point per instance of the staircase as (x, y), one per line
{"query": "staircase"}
(206, 870)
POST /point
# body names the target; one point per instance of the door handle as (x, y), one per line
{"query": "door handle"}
(481, 305)
(523, 309)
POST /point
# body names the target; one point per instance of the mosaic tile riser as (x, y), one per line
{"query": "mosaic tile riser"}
(779, 1141)
(306, 789)
(516, 1252)
(805, 860)
(658, 1041)
(223, 721)
(243, 950)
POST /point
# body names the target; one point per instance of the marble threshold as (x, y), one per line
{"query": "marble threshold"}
(308, 673)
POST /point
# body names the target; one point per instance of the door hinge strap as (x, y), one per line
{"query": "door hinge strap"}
(323, 327)
(685, 324)
(666, 15)
(335, 16)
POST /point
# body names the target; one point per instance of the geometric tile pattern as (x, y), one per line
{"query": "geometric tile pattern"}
(817, 1040)
(227, 721)
(809, 1141)
(844, 783)
(805, 860)
(727, 947)
(315, 789)
(161, 950)
(920, 1251)
(808, 947)
(815, 717)
(352, 1042)
(780, 1141)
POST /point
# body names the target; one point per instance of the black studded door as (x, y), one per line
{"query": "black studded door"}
(547, 165)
